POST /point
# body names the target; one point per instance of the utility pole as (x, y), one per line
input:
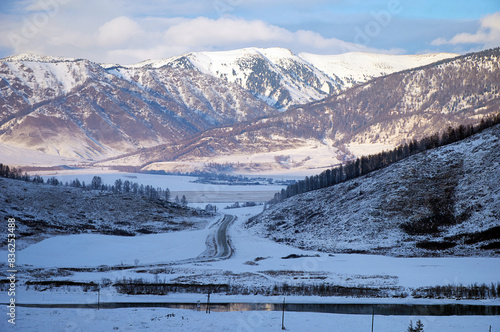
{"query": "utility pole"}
(208, 303)
(373, 317)
(98, 296)
(283, 316)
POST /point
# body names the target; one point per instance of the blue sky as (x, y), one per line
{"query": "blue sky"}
(128, 31)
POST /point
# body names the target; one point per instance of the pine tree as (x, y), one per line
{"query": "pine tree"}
(410, 328)
(184, 201)
(118, 185)
(96, 183)
(419, 327)
(126, 186)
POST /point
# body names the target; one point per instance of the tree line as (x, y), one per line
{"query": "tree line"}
(470, 292)
(366, 164)
(120, 186)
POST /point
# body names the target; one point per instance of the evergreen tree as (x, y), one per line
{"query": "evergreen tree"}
(126, 186)
(96, 183)
(184, 201)
(419, 327)
(118, 185)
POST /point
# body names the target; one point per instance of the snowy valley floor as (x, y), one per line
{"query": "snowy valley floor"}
(256, 262)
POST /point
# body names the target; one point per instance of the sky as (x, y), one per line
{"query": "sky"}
(130, 31)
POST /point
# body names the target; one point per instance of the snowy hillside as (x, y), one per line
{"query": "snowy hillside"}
(356, 68)
(44, 211)
(442, 202)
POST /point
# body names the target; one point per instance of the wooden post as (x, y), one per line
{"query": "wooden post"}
(98, 297)
(283, 316)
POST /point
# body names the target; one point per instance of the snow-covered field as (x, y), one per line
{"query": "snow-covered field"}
(13, 155)
(87, 250)
(255, 261)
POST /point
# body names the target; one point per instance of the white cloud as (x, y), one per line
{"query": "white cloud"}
(126, 39)
(203, 31)
(117, 31)
(488, 34)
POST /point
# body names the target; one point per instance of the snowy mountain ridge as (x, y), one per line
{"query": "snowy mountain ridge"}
(33, 57)
(276, 75)
(79, 109)
(282, 78)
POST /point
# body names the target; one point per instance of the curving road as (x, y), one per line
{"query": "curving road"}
(220, 240)
(223, 247)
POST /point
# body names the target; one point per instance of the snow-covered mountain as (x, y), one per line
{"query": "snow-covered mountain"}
(211, 104)
(282, 78)
(389, 211)
(76, 108)
(383, 112)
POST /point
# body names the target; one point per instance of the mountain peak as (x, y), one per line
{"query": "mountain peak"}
(33, 57)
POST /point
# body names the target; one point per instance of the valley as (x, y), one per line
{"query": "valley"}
(420, 232)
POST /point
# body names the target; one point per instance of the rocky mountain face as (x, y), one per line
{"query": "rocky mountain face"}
(442, 202)
(389, 110)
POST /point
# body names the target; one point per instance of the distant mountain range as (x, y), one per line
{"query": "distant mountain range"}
(214, 105)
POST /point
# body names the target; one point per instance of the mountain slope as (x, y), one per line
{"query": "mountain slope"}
(283, 79)
(394, 210)
(355, 68)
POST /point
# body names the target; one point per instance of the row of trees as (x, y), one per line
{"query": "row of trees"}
(473, 292)
(141, 286)
(367, 164)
